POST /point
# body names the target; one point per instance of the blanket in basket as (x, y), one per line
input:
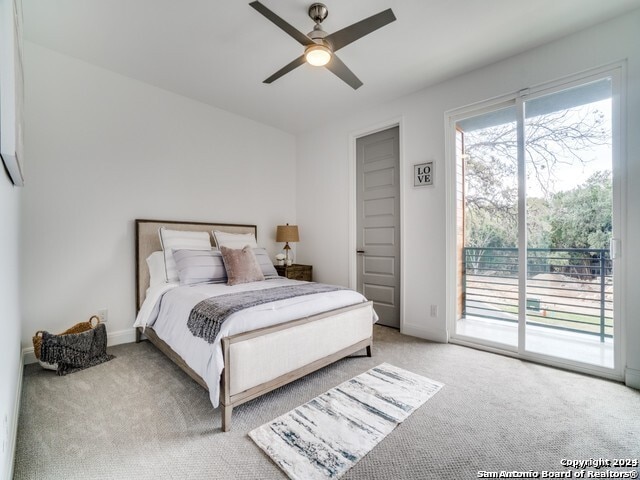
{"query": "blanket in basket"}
(76, 351)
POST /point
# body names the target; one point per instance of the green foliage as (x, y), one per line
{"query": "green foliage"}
(484, 230)
(582, 216)
(539, 214)
(577, 218)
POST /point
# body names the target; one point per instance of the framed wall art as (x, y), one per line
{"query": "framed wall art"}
(423, 174)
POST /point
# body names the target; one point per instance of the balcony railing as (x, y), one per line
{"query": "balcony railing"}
(567, 289)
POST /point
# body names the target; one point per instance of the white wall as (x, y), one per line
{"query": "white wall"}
(323, 193)
(10, 328)
(10, 352)
(104, 150)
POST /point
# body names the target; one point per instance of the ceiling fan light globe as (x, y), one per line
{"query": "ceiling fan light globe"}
(317, 55)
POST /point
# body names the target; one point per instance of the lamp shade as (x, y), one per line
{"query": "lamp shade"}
(317, 55)
(287, 233)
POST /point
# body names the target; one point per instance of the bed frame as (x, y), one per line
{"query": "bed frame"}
(262, 360)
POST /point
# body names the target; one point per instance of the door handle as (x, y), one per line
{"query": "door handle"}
(614, 248)
(359, 251)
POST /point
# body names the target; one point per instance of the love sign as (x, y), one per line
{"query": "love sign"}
(423, 174)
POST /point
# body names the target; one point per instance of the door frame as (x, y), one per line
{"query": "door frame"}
(617, 71)
(352, 256)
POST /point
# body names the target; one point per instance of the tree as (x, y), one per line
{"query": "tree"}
(484, 232)
(582, 216)
(565, 137)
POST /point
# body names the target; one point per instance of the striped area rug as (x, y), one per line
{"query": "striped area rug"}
(328, 435)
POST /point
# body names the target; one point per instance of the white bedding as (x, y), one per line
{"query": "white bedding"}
(167, 309)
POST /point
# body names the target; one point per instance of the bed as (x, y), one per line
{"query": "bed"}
(246, 361)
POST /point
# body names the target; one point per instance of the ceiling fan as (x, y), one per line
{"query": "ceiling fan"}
(320, 47)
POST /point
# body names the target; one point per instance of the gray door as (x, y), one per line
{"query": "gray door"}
(378, 217)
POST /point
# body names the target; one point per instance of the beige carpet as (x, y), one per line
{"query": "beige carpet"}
(138, 416)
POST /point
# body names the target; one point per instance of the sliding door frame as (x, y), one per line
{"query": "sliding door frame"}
(616, 72)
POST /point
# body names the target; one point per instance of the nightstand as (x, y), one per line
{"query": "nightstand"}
(295, 271)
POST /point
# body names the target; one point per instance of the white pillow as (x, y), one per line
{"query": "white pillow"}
(177, 240)
(157, 274)
(200, 266)
(235, 240)
(268, 270)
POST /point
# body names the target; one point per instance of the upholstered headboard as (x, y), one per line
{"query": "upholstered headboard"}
(148, 241)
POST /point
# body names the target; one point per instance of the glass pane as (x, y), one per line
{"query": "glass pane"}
(569, 224)
(488, 227)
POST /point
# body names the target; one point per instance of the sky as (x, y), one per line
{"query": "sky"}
(574, 173)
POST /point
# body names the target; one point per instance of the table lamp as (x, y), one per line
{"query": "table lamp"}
(287, 233)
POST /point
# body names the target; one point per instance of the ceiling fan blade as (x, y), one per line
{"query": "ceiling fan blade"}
(350, 34)
(292, 31)
(343, 72)
(286, 69)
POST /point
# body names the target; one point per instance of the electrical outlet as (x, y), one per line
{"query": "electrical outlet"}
(103, 315)
(434, 310)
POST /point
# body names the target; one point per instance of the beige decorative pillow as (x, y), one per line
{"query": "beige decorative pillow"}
(241, 265)
(180, 239)
(234, 240)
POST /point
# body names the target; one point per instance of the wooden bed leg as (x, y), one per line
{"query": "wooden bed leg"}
(226, 417)
(138, 335)
(368, 350)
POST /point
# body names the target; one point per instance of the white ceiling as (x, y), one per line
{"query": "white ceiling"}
(219, 51)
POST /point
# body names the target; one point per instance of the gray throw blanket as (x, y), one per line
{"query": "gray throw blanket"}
(75, 351)
(207, 317)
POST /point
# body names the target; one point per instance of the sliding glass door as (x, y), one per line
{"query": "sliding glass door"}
(569, 213)
(535, 222)
(488, 226)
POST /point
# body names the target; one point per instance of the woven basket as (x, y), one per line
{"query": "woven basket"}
(93, 322)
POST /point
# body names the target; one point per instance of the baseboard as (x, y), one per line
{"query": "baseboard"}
(632, 378)
(28, 356)
(426, 333)
(113, 339)
(121, 336)
(13, 429)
